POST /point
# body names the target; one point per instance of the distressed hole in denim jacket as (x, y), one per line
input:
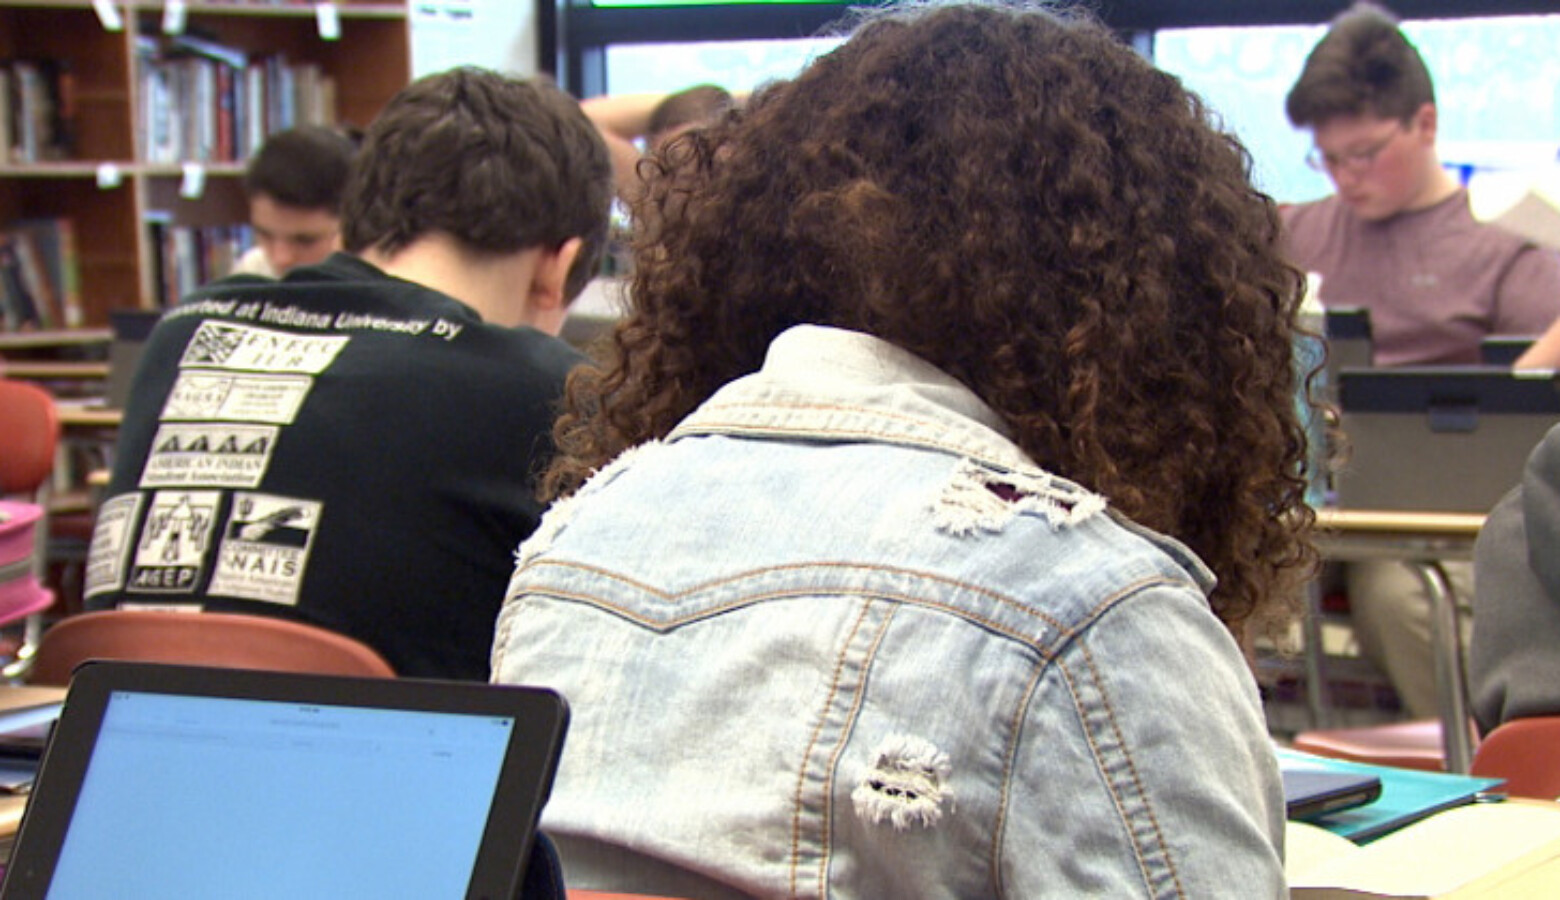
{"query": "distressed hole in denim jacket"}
(977, 497)
(906, 785)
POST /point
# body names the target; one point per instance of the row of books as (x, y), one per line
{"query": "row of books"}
(37, 110)
(185, 257)
(208, 102)
(40, 278)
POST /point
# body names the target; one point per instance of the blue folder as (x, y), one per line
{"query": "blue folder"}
(1407, 795)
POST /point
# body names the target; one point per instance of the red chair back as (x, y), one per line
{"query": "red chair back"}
(1525, 752)
(29, 432)
(223, 640)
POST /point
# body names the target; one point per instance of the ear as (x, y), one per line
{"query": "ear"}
(551, 276)
(1425, 120)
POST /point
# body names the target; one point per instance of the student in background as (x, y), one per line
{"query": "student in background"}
(1514, 659)
(354, 446)
(294, 184)
(887, 560)
(1398, 239)
(628, 120)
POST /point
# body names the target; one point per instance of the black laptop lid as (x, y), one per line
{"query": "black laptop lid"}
(131, 329)
(170, 781)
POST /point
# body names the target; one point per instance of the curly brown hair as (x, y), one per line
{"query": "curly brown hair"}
(1023, 201)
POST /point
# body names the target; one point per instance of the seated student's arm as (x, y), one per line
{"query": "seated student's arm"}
(1545, 352)
(622, 119)
(1143, 767)
(1514, 655)
(1528, 302)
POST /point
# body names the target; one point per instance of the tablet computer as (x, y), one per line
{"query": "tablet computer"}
(175, 781)
(1310, 793)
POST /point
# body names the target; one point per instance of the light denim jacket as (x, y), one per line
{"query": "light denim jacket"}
(838, 637)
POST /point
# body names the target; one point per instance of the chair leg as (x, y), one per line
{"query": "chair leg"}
(20, 666)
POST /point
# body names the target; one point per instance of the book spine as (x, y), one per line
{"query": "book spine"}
(62, 103)
(21, 313)
(69, 279)
(205, 109)
(5, 114)
(28, 98)
(225, 109)
(254, 108)
(35, 278)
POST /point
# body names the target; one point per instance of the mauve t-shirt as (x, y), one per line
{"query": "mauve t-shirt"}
(1436, 281)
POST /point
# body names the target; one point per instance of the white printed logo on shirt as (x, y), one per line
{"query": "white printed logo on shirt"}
(235, 397)
(209, 455)
(265, 548)
(225, 345)
(173, 541)
(111, 544)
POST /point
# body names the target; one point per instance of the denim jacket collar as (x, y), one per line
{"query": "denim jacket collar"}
(823, 382)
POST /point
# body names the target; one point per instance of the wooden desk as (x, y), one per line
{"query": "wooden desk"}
(77, 415)
(1421, 541)
(13, 698)
(605, 895)
(48, 370)
(64, 337)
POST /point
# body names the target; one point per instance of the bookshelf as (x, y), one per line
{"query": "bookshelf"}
(148, 138)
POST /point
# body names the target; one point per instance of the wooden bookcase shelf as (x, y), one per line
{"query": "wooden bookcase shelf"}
(108, 184)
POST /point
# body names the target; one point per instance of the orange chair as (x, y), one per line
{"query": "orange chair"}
(223, 640)
(1415, 744)
(29, 435)
(1525, 752)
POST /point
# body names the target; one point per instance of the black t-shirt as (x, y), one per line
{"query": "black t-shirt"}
(341, 447)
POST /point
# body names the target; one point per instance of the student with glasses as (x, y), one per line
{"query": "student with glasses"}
(1397, 238)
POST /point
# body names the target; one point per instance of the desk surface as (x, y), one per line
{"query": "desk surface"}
(1422, 524)
(50, 370)
(1351, 535)
(64, 337)
(81, 415)
(604, 895)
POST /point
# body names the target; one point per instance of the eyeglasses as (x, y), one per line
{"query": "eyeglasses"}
(1356, 163)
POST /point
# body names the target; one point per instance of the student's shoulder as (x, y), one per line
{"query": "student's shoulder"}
(540, 351)
(1311, 214)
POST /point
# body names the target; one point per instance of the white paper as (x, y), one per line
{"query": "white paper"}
(194, 181)
(329, 19)
(173, 17)
(108, 14)
(108, 176)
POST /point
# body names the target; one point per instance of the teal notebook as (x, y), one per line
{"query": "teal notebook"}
(1407, 795)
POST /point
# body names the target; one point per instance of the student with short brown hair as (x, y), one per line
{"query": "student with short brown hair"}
(356, 445)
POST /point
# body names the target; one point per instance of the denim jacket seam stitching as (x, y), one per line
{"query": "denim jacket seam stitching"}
(812, 741)
(669, 624)
(1007, 601)
(1047, 649)
(1137, 782)
(1015, 732)
(765, 406)
(834, 758)
(1094, 751)
(883, 436)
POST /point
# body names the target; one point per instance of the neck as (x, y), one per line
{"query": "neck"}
(493, 285)
(1438, 185)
